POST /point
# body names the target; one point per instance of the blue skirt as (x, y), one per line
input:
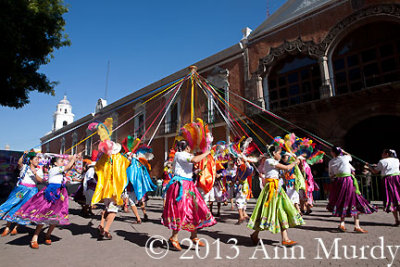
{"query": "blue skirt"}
(18, 197)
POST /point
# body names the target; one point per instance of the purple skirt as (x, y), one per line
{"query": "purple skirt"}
(40, 211)
(392, 193)
(345, 202)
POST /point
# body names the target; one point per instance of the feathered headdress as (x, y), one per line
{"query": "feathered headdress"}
(197, 135)
(104, 130)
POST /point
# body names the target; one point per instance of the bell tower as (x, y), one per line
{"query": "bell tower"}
(63, 115)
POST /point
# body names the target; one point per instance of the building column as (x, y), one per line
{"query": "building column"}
(260, 91)
(326, 87)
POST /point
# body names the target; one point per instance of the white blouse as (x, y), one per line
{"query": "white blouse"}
(388, 166)
(339, 165)
(56, 175)
(270, 171)
(29, 177)
(182, 165)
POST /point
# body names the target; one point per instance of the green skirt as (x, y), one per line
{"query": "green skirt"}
(280, 214)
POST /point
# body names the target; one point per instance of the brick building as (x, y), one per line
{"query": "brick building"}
(332, 67)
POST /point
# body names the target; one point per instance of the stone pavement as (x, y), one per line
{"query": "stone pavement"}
(228, 244)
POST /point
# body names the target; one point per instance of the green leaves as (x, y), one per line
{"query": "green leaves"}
(31, 30)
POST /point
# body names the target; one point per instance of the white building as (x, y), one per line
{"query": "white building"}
(63, 115)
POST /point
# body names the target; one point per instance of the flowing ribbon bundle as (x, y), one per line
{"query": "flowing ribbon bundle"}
(273, 189)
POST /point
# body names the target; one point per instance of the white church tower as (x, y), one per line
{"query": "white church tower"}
(63, 115)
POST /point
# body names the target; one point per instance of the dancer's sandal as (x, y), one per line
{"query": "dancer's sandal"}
(289, 243)
(254, 240)
(342, 229)
(175, 244)
(34, 245)
(360, 230)
(5, 232)
(47, 240)
(198, 242)
(101, 232)
(239, 222)
(107, 236)
(14, 232)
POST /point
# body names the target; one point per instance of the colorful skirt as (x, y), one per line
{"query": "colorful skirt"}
(274, 214)
(392, 193)
(18, 197)
(190, 212)
(41, 211)
(345, 202)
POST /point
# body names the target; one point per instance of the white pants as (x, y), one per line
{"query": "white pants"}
(293, 195)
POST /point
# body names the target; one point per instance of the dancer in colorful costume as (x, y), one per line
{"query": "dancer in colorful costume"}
(345, 199)
(217, 193)
(111, 177)
(50, 205)
(388, 167)
(243, 176)
(139, 181)
(309, 156)
(26, 188)
(290, 181)
(184, 207)
(230, 184)
(274, 211)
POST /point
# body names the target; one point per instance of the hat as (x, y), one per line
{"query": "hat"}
(116, 148)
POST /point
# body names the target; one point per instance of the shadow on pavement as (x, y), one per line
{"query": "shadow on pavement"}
(139, 239)
(78, 229)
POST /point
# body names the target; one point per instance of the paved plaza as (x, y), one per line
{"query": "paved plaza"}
(228, 244)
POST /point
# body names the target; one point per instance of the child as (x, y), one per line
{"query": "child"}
(274, 211)
(244, 171)
(50, 205)
(26, 188)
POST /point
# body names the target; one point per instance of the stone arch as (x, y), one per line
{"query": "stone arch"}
(368, 137)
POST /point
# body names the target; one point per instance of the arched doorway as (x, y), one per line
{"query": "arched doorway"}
(368, 138)
(367, 56)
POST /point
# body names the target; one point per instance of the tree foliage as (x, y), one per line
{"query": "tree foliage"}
(30, 31)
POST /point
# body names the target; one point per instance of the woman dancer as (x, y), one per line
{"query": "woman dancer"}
(50, 205)
(26, 188)
(274, 211)
(184, 207)
(345, 199)
(388, 167)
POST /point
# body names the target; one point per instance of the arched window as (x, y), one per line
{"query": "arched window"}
(367, 56)
(65, 123)
(293, 80)
(65, 111)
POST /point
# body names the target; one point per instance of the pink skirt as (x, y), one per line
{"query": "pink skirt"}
(190, 212)
(39, 210)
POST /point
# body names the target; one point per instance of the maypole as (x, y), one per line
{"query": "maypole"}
(193, 70)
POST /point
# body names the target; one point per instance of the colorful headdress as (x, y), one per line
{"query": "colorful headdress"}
(197, 135)
(104, 130)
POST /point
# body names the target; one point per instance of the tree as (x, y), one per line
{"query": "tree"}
(30, 31)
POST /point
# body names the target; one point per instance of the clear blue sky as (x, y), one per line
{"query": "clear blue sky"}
(144, 41)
